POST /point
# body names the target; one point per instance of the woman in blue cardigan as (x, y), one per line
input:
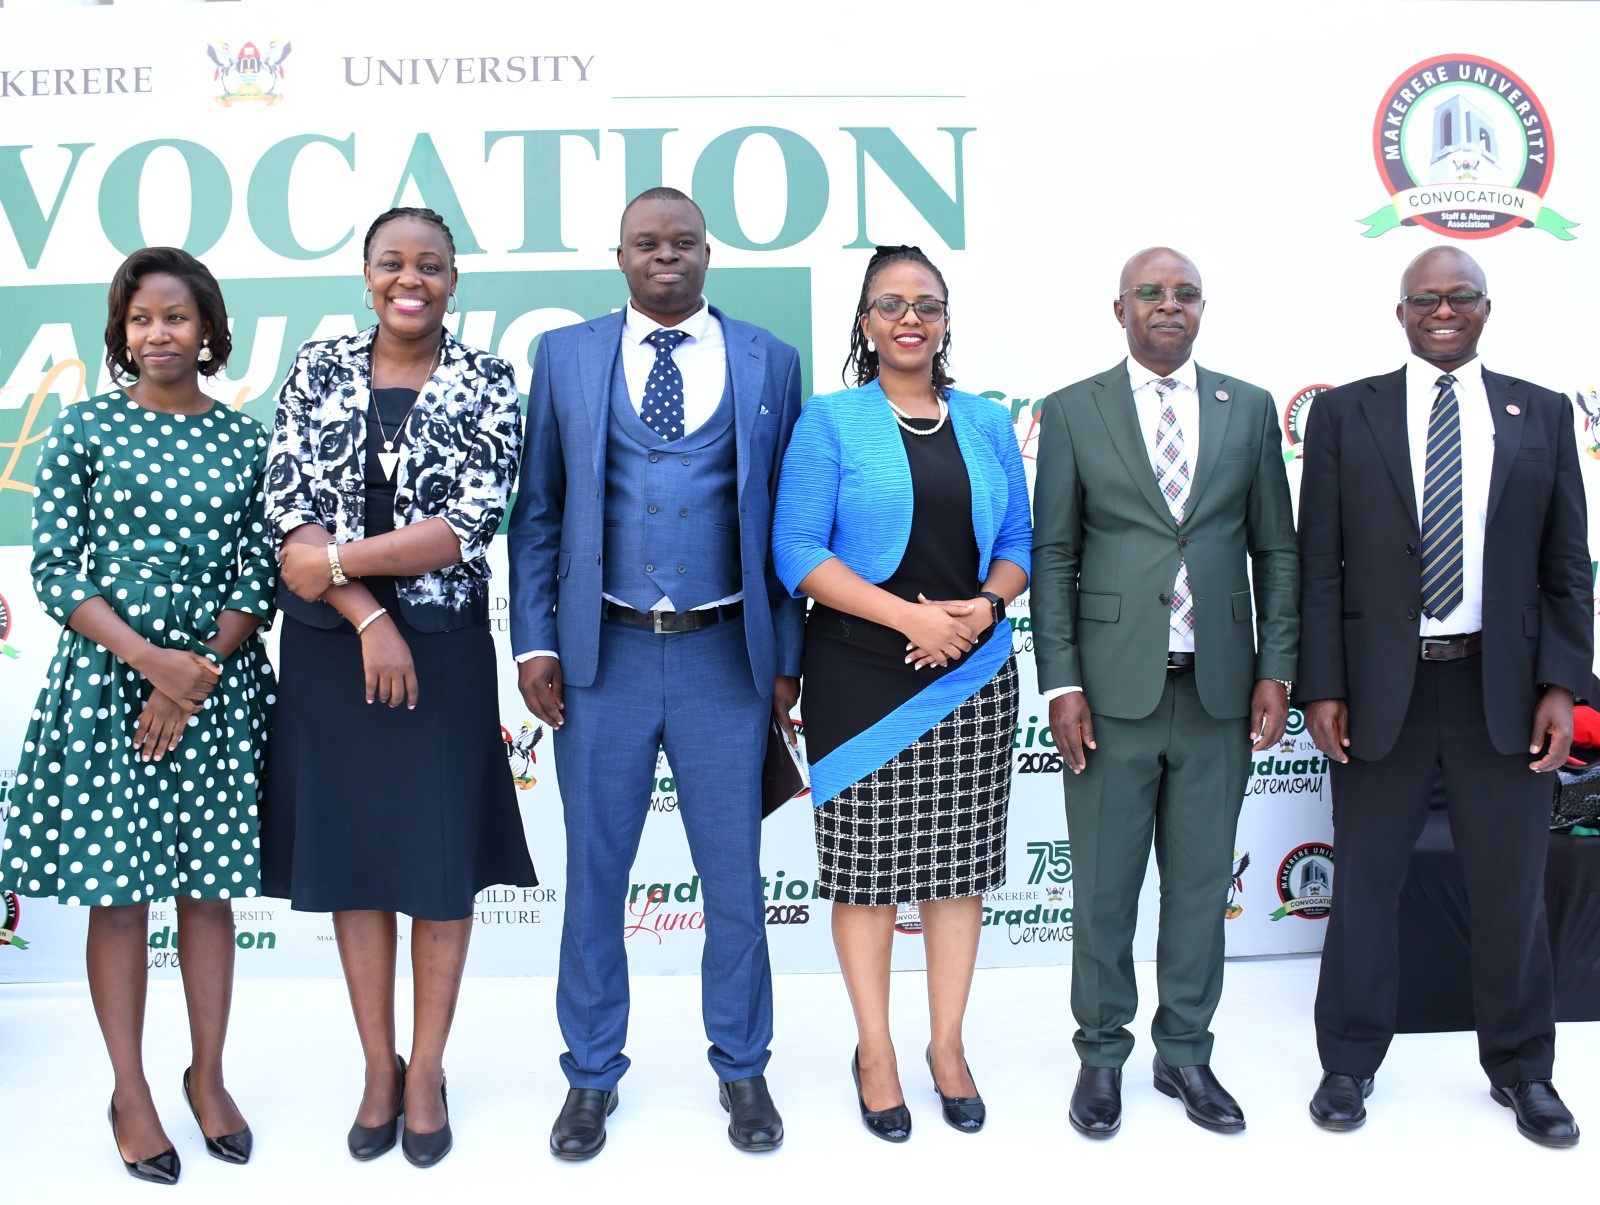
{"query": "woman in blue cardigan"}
(903, 512)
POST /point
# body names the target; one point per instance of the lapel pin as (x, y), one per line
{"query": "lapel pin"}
(1513, 409)
(1222, 395)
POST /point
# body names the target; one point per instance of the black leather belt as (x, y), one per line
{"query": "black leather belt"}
(1180, 663)
(670, 621)
(1451, 648)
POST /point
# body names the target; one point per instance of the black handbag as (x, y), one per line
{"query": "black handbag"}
(1577, 795)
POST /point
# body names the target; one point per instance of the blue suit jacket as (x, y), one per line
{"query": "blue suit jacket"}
(556, 546)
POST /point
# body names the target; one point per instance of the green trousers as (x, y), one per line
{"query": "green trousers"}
(1175, 780)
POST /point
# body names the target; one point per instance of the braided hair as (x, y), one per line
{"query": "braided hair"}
(862, 360)
(408, 211)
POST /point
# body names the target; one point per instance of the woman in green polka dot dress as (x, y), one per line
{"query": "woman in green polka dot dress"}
(138, 775)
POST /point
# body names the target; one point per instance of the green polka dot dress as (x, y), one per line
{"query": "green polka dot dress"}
(160, 515)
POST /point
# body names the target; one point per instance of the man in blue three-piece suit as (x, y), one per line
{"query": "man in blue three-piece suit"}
(645, 615)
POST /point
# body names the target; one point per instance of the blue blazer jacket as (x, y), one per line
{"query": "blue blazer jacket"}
(846, 486)
(557, 548)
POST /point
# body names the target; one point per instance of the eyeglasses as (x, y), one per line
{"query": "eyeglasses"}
(1460, 303)
(1183, 294)
(927, 309)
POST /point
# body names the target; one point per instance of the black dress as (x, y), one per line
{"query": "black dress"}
(930, 824)
(372, 807)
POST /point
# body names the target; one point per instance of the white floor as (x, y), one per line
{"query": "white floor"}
(293, 1067)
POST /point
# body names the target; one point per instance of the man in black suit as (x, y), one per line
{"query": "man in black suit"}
(1446, 624)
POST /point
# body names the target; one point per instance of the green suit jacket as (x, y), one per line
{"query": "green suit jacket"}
(1106, 549)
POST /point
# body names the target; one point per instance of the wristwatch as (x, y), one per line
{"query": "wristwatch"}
(997, 606)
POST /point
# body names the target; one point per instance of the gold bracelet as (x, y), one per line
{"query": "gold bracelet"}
(337, 570)
(367, 622)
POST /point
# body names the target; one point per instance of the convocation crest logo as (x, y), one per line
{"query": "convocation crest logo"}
(1305, 882)
(1295, 415)
(249, 75)
(11, 907)
(1464, 147)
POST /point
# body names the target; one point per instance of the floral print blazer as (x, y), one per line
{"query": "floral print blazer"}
(462, 449)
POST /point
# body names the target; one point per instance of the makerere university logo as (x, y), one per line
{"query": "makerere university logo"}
(1464, 148)
(250, 74)
(1295, 415)
(11, 907)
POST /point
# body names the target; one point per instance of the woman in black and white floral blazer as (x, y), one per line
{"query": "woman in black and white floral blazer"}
(393, 454)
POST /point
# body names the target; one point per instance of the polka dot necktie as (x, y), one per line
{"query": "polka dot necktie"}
(662, 409)
(1172, 476)
(1442, 589)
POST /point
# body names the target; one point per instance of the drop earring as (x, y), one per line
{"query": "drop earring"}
(205, 351)
(870, 347)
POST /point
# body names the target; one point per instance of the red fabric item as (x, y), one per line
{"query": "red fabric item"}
(1585, 728)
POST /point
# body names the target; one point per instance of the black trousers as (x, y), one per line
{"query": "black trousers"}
(1499, 813)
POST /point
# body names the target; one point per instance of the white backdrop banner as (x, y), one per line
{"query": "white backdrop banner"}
(1300, 164)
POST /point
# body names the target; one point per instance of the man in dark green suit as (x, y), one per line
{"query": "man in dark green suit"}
(1160, 484)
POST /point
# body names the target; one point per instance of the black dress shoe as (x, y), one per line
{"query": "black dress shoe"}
(158, 1169)
(1096, 1109)
(230, 1148)
(424, 1150)
(1541, 1117)
(1337, 1102)
(753, 1121)
(892, 1124)
(580, 1129)
(1205, 1101)
(368, 1142)
(964, 1113)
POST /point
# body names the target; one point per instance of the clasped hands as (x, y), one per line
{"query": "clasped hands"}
(182, 681)
(938, 632)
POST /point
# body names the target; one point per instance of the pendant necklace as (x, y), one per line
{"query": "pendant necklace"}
(389, 458)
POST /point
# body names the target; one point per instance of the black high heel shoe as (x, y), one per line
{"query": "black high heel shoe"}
(892, 1125)
(230, 1148)
(158, 1169)
(368, 1142)
(964, 1113)
(424, 1150)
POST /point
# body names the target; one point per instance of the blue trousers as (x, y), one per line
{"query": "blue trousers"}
(692, 694)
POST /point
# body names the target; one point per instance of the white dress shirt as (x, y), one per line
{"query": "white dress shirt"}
(1477, 459)
(1148, 405)
(702, 358)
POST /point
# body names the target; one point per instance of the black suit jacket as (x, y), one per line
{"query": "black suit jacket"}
(1361, 577)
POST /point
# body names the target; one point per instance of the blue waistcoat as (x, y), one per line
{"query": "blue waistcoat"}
(672, 509)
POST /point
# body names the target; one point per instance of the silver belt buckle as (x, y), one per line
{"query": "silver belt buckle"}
(655, 622)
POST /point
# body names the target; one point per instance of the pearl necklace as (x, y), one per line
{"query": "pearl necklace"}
(901, 417)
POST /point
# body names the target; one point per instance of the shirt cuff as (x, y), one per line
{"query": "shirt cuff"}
(1055, 692)
(521, 657)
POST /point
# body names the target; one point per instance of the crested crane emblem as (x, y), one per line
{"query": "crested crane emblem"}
(250, 74)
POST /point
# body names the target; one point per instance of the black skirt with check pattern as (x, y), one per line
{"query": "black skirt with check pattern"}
(931, 823)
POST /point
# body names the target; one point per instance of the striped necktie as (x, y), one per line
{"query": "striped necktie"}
(1172, 478)
(662, 408)
(1441, 505)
